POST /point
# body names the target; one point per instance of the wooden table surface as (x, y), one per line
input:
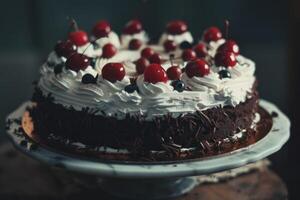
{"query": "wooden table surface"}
(24, 178)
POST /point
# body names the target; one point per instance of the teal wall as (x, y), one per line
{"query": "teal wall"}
(34, 24)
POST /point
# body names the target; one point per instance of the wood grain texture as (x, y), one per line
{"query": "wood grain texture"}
(24, 178)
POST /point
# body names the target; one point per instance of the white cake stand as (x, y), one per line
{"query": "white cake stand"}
(160, 180)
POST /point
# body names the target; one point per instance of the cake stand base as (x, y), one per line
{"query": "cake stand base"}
(148, 188)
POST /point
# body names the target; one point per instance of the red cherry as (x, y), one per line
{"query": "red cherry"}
(141, 64)
(135, 44)
(133, 27)
(113, 72)
(77, 62)
(188, 54)
(200, 50)
(230, 46)
(109, 50)
(174, 73)
(197, 68)
(79, 37)
(169, 45)
(176, 27)
(65, 48)
(212, 34)
(101, 29)
(225, 58)
(154, 73)
(155, 58)
(147, 52)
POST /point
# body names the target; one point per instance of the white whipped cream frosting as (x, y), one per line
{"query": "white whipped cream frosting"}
(88, 50)
(150, 89)
(213, 46)
(151, 100)
(230, 91)
(178, 39)
(112, 38)
(126, 57)
(53, 59)
(126, 38)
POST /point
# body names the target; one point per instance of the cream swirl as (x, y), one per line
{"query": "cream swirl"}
(123, 56)
(114, 87)
(126, 38)
(112, 38)
(233, 90)
(146, 88)
(210, 81)
(53, 59)
(212, 47)
(178, 39)
(88, 50)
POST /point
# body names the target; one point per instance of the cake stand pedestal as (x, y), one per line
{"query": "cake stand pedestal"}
(158, 180)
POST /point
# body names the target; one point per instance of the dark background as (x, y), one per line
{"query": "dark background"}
(267, 32)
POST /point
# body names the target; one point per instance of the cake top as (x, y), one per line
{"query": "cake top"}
(126, 75)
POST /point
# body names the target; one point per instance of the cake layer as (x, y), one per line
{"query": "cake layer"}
(208, 148)
(55, 122)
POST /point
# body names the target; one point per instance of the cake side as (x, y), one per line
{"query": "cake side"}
(133, 96)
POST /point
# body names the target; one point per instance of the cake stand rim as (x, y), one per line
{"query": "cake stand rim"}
(268, 145)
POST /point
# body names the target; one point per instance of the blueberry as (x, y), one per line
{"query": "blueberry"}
(58, 68)
(93, 62)
(185, 45)
(178, 85)
(50, 64)
(95, 45)
(224, 74)
(131, 88)
(88, 78)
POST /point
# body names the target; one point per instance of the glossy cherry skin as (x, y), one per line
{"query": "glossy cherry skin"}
(135, 44)
(147, 52)
(188, 54)
(225, 59)
(212, 34)
(174, 72)
(79, 38)
(109, 50)
(230, 46)
(155, 58)
(176, 27)
(65, 48)
(141, 65)
(133, 27)
(113, 72)
(77, 62)
(101, 29)
(201, 50)
(154, 73)
(169, 45)
(198, 67)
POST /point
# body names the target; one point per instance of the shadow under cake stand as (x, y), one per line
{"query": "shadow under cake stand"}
(158, 180)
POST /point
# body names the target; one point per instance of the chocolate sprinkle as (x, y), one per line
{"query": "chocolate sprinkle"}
(205, 131)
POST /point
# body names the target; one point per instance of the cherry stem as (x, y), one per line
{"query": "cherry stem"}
(86, 48)
(171, 58)
(73, 24)
(226, 24)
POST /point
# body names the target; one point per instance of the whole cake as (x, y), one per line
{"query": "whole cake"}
(129, 98)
